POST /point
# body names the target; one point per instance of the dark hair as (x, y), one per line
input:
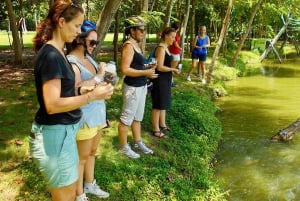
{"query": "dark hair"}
(175, 25)
(167, 31)
(44, 31)
(86, 28)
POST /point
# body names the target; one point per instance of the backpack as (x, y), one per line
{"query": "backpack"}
(151, 55)
(147, 61)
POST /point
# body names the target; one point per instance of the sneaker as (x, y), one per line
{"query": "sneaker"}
(173, 84)
(199, 75)
(94, 189)
(82, 197)
(141, 146)
(203, 81)
(126, 150)
(188, 78)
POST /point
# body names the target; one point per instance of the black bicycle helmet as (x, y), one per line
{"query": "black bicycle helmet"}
(134, 21)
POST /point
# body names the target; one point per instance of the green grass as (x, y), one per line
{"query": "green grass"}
(180, 168)
(6, 39)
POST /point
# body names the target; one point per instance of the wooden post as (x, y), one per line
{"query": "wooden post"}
(267, 50)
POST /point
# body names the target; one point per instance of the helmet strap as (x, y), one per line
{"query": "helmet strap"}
(134, 38)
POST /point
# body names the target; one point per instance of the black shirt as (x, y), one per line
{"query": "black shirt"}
(50, 64)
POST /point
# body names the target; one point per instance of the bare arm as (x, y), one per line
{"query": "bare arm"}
(160, 56)
(54, 103)
(127, 57)
(195, 42)
(208, 43)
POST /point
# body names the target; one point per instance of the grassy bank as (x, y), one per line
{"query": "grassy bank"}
(180, 169)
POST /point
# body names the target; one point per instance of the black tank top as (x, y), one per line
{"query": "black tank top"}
(138, 64)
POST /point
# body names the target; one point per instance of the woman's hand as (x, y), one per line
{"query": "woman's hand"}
(102, 91)
(176, 70)
(150, 73)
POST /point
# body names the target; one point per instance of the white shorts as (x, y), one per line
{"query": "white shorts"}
(134, 99)
(176, 57)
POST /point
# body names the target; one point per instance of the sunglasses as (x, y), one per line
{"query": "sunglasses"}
(141, 30)
(93, 43)
(69, 6)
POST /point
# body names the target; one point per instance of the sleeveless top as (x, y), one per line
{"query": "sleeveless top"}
(200, 42)
(138, 64)
(94, 113)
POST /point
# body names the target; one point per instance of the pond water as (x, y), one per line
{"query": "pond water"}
(251, 167)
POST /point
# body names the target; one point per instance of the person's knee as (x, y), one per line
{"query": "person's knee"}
(93, 151)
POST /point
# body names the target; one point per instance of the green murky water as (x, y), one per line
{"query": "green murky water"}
(252, 167)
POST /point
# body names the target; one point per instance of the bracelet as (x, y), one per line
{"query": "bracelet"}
(89, 100)
(79, 91)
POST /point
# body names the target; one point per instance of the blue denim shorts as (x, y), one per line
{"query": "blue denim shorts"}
(54, 148)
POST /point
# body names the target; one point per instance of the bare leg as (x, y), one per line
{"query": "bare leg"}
(84, 149)
(66, 193)
(155, 119)
(89, 167)
(192, 67)
(136, 130)
(174, 64)
(123, 133)
(162, 118)
(202, 68)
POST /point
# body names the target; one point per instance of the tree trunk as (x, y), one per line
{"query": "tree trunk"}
(185, 22)
(144, 8)
(168, 13)
(233, 62)
(107, 14)
(116, 35)
(16, 40)
(87, 11)
(287, 133)
(192, 27)
(222, 35)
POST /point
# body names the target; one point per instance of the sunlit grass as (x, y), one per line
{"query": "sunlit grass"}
(6, 39)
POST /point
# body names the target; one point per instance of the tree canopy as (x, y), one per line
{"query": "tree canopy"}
(159, 13)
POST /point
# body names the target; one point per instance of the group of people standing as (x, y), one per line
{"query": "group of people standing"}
(72, 88)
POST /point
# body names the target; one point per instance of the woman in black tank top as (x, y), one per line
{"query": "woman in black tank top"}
(134, 87)
(161, 92)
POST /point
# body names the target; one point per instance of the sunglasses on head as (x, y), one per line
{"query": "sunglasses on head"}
(93, 43)
(69, 6)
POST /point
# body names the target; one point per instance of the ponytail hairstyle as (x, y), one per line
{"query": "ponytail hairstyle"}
(61, 8)
(166, 32)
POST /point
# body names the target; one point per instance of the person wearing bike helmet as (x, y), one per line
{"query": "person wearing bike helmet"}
(134, 87)
(88, 74)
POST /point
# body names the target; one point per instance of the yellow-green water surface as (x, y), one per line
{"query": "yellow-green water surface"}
(251, 166)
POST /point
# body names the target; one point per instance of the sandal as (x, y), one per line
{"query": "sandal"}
(165, 128)
(159, 134)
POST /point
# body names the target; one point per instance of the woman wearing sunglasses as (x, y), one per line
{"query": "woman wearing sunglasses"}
(134, 87)
(88, 74)
(52, 139)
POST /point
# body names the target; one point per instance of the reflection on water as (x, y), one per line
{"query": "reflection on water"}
(252, 167)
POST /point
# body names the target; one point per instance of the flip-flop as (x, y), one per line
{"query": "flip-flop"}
(159, 134)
